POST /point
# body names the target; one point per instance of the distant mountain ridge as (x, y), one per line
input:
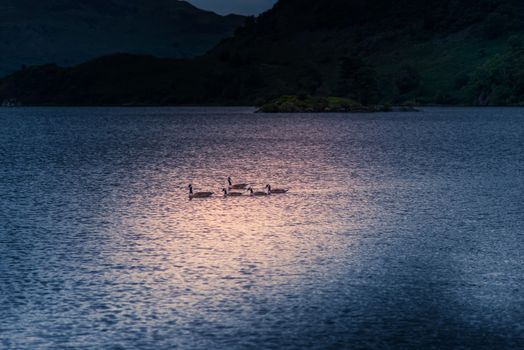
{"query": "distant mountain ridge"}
(453, 52)
(69, 32)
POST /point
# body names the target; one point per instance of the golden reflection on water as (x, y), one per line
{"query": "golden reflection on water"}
(209, 256)
(387, 224)
(222, 245)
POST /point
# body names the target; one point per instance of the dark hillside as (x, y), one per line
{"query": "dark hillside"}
(70, 32)
(446, 52)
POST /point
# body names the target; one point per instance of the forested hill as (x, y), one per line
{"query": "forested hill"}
(446, 52)
(70, 32)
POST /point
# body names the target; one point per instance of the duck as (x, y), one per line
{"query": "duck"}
(257, 193)
(276, 190)
(235, 186)
(231, 194)
(198, 194)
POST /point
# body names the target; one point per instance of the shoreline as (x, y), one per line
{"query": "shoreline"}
(394, 108)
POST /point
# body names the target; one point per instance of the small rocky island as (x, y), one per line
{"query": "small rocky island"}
(309, 104)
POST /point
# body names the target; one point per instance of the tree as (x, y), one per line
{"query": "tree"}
(358, 80)
(496, 24)
(309, 80)
(408, 79)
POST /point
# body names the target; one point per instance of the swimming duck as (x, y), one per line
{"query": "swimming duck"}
(276, 190)
(257, 193)
(231, 194)
(235, 186)
(198, 194)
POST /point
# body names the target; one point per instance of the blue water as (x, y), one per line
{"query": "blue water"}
(400, 230)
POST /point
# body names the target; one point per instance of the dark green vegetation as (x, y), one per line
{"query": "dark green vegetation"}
(371, 51)
(308, 104)
(72, 31)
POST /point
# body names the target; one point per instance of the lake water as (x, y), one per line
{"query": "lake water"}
(400, 230)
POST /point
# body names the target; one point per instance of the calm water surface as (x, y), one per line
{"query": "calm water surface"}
(400, 230)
